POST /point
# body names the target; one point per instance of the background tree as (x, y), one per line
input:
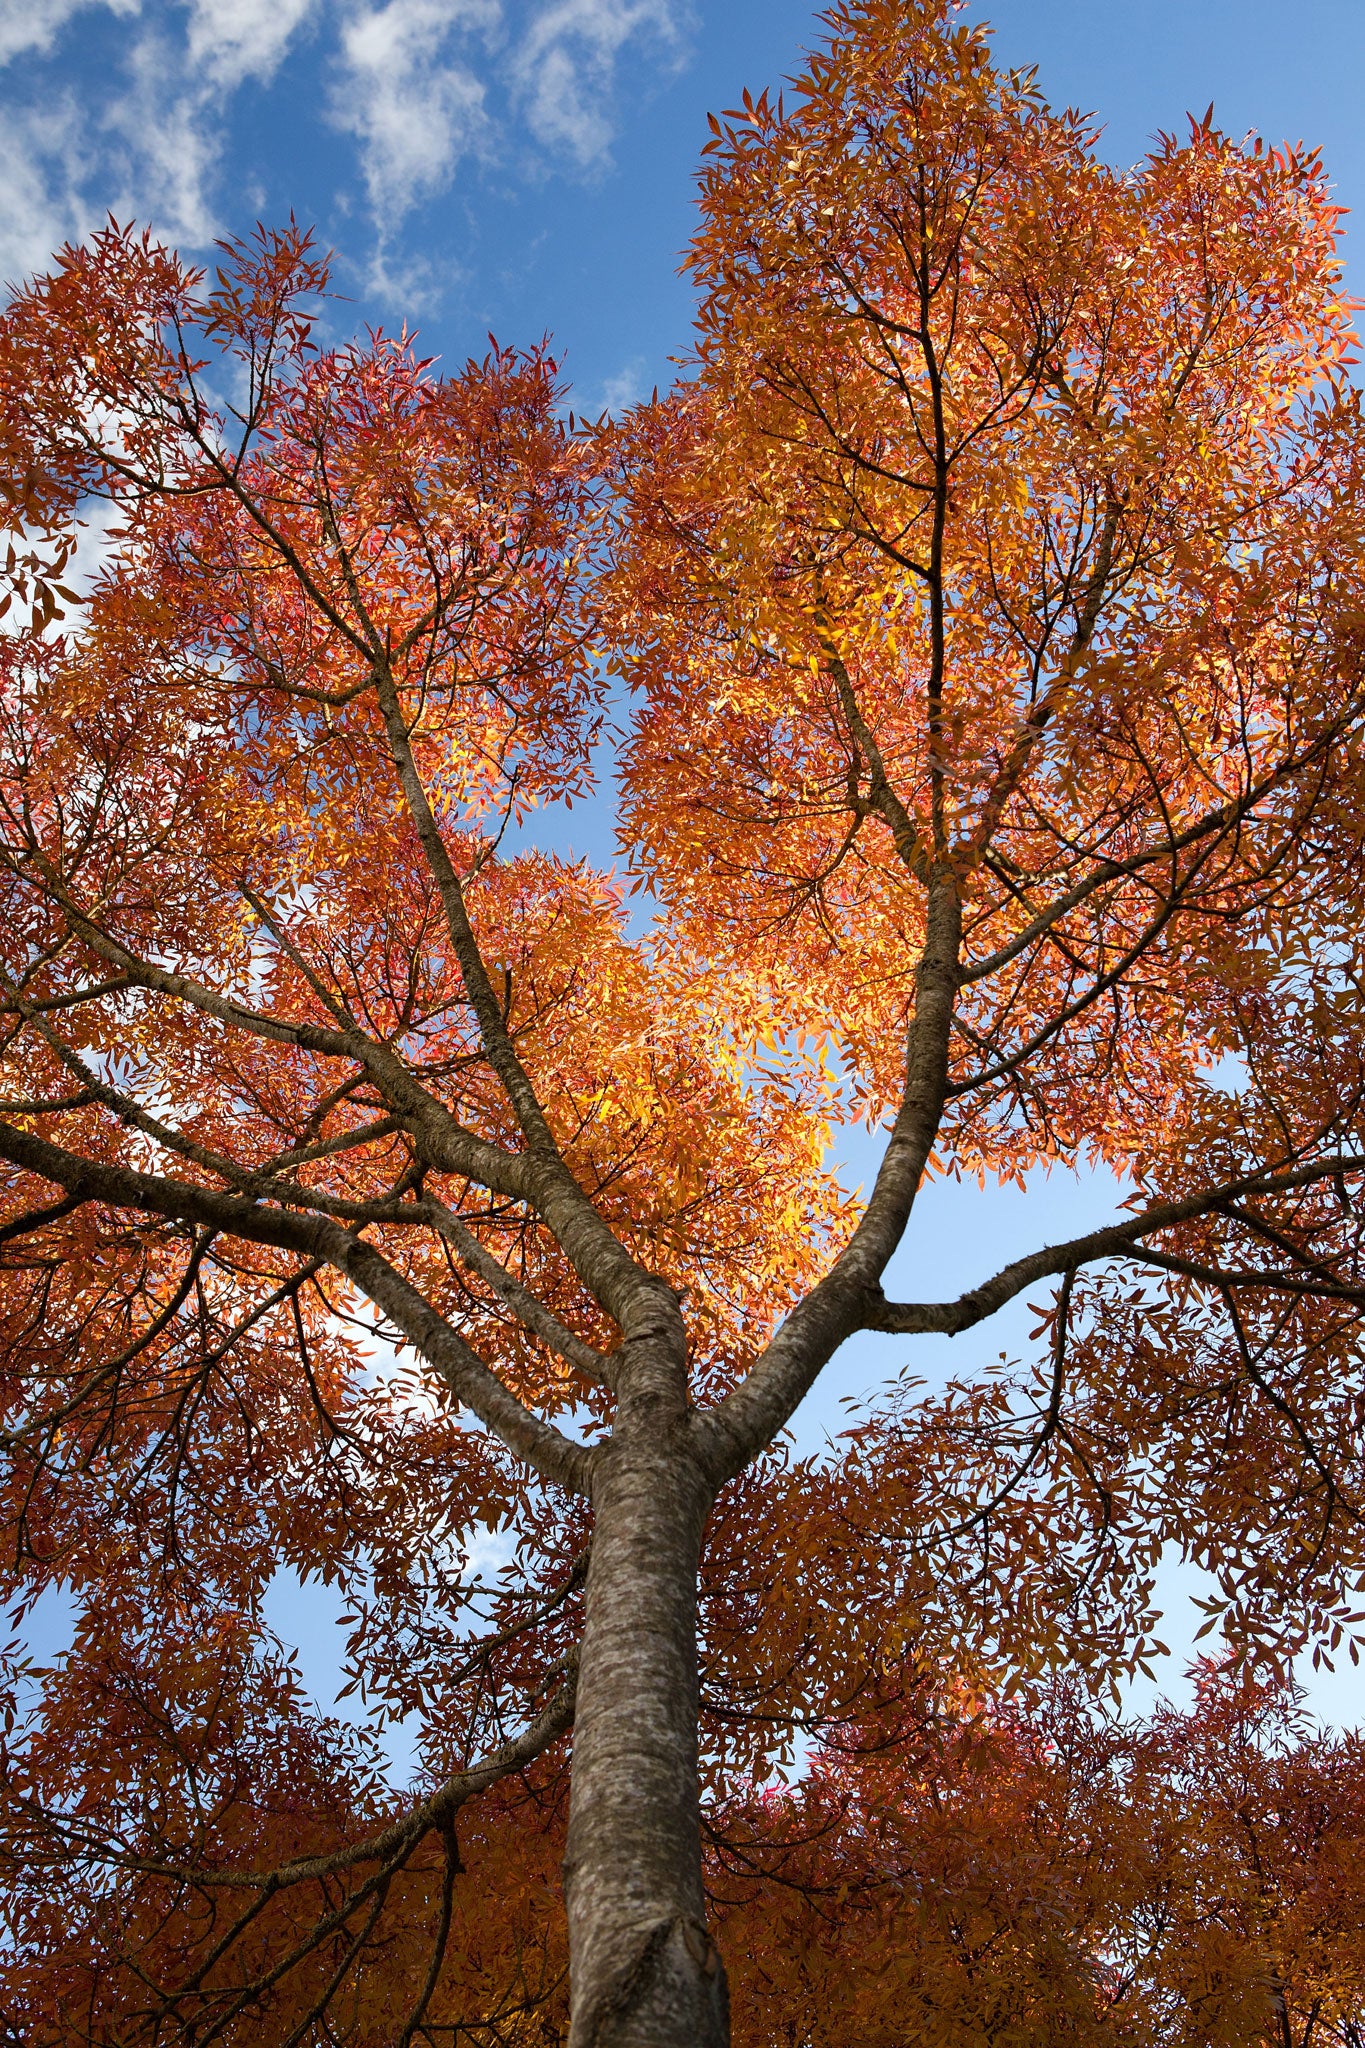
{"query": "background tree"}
(990, 592)
(965, 1873)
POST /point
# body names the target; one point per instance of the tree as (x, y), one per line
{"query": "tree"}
(1044, 1876)
(990, 595)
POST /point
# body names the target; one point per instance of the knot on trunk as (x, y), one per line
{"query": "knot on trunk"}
(670, 1988)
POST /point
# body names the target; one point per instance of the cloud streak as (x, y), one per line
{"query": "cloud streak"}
(411, 97)
(563, 72)
(41, 167)
(128, 105)
(34, 25)
(230, 41)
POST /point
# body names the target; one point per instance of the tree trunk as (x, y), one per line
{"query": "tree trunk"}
(644, 1971)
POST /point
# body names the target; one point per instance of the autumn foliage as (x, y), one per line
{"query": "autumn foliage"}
(943, 1873)
(391, 1201)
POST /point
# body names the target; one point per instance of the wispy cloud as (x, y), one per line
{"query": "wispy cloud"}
(34, 25)
(141, 138)
(425, 84)
(410, 96)
(41, 170)
(420, 86)
(162, 145)
(230, 41)
(625, 388)
(564, 68)
(168, 128)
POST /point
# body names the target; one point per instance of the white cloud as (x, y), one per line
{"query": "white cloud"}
(40, 170)
(407, 279)
(414, 105)
(232, 40)
(419, 84)
(28, 25)
(415, 80)
(171, 140)
(143, 142)
(625, 388)
(172, 119)
(148, 145)
(564, 68)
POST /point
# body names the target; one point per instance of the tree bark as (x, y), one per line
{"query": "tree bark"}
(644, 1971)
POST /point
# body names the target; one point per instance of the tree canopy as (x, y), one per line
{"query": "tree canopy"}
(981, 619)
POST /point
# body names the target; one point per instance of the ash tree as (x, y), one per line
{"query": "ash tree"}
(987, 607)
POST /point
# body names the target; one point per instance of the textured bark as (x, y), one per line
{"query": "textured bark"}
(645, 1972)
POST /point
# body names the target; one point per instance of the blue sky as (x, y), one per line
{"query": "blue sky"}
(526, 165)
